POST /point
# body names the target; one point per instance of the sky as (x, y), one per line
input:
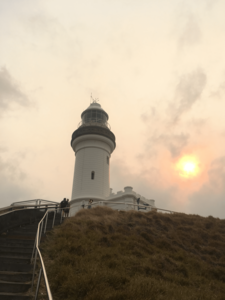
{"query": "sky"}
(158, 70)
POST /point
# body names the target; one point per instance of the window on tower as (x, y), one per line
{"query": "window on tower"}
(92, 175)
(94, 115)
(99, 117)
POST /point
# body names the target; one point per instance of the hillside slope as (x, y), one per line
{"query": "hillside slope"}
(105, 254)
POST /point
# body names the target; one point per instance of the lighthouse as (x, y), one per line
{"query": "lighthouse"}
(93, 142)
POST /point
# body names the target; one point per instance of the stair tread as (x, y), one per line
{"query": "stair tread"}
(13, 294)
(15, 273)
(16, 283)
(13, 257)
(12, 239)
(16, 255)
(4, 248)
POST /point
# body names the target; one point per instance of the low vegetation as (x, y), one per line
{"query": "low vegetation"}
(105, 254)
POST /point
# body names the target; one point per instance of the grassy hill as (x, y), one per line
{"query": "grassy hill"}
(105, 254)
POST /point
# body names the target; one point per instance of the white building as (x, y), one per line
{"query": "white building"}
(93, 143)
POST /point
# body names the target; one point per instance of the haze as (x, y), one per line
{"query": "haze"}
(158, 69)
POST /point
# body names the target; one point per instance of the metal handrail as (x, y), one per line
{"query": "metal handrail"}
(137, 205)
(120, 203)
(15, 208)
(36, 251)
(34, 200)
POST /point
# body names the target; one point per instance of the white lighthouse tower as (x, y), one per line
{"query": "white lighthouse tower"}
(93, 143)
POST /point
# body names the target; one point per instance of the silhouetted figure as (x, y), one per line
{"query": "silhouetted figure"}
(67, 209)
(63, 203)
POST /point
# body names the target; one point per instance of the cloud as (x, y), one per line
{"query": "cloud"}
(42, 24)
(190, 32)
(210, 198)
(11, 170)
(148, 183)
(10, 92)
(146, 116)
(219, 92)
(175, 143)
(166, 127)
(189, 89)
(210, 3)
(3, 149)
(217, 174)
(14, 184)
(12, 192)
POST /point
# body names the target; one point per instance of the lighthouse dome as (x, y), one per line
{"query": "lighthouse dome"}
(94, 114)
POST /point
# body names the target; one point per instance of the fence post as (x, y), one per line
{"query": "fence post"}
(34, 269)
(53, 222)
(61, 216)
(40, 235)
(33, 249)
(38, 284)
(46, 221)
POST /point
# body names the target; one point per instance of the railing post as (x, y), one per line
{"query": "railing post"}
(46, 222)
(61, 216)
(33, 249)
(34, 269)
(38, 284)
(40, 235)
(53, 222)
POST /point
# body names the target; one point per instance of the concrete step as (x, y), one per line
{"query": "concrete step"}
(15, 276)
(33, 228)
(30, 228)
(22, 234)
(16, 243)
(15, 254)
(19, 237)
(28, 235)
(15, 267)
(10, 296)
(14, 287)
(13, 249)
(27, 232)
(50, 220)
(14, 260)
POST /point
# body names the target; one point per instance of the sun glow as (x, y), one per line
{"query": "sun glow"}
(188, 167)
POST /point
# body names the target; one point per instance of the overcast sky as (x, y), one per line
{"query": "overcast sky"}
(158, 69)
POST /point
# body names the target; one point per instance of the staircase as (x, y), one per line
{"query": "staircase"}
(15, 254)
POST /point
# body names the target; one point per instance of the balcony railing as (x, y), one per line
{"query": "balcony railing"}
(95, 123)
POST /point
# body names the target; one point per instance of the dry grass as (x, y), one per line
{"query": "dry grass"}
(105, 254)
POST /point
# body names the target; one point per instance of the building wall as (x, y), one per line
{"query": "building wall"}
(91, 156)
(123, 200)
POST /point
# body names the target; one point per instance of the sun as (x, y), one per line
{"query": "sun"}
(188, 166)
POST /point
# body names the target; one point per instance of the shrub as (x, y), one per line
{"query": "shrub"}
(105, 254)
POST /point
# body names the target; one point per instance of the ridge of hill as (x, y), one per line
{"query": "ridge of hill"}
(106, 254)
